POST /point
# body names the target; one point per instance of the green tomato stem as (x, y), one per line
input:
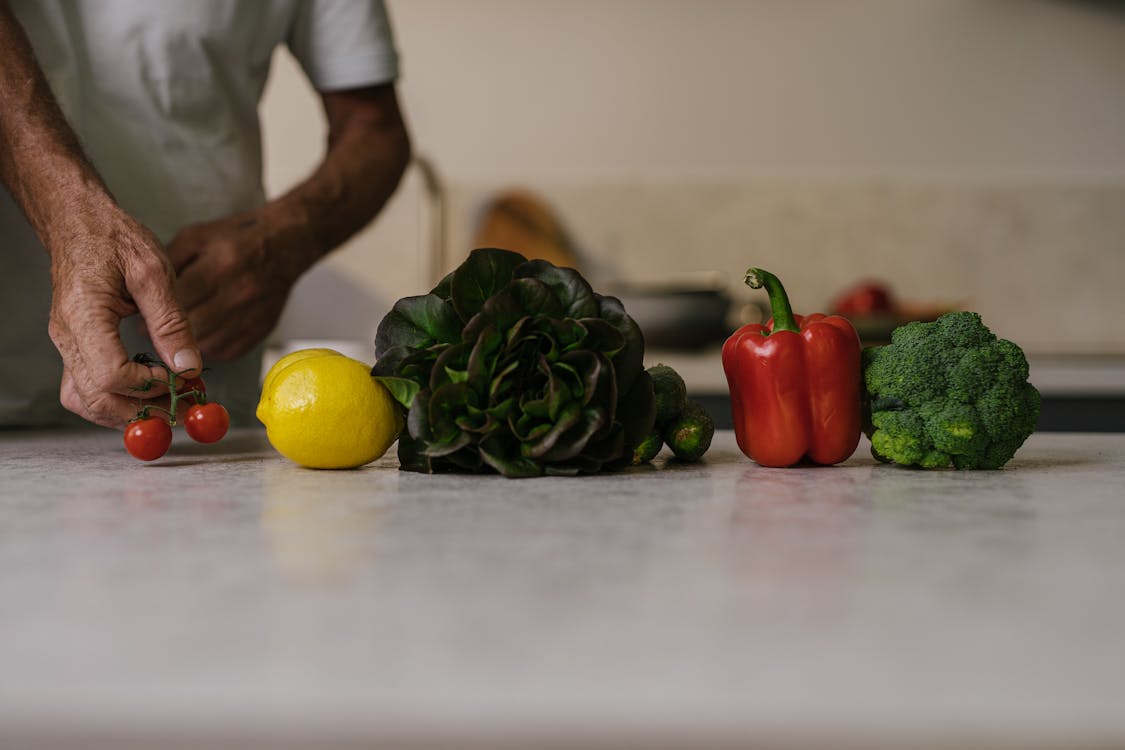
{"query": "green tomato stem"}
(173, 397)
(199, 396)
(147, 407)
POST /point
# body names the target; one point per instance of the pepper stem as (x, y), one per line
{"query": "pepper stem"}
(780, 309)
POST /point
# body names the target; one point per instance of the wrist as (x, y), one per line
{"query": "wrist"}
(289, 229)
(75, 211)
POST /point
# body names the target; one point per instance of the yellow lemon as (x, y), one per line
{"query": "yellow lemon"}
(325, 411)
(292, 357)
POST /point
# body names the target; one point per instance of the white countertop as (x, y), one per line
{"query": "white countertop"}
(224, 597)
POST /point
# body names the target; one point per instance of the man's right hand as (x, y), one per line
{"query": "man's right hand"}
(106, 266)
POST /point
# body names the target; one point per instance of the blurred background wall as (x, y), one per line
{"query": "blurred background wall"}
(968, 151)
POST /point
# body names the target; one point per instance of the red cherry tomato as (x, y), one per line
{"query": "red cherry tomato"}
(207, 423)
(148, 438)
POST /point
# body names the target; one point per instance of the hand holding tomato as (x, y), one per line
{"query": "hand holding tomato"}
(106, 266)
(148, 437)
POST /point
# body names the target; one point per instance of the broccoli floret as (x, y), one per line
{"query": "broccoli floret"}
(901, 437)
(954, 427)
(948, 392)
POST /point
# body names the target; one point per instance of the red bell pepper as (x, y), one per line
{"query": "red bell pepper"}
(794, 383)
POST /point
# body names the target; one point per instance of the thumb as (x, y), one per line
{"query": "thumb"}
(168, 327)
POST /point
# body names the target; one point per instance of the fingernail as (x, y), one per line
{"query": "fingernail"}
(186, 359)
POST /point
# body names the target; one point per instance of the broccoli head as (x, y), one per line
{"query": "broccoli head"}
(948, 392)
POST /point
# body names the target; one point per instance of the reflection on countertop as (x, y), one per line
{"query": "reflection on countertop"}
(224, 597)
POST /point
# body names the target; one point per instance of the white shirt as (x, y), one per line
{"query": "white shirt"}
(164, 95)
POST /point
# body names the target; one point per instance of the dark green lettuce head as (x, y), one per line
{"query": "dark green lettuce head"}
(515, 366)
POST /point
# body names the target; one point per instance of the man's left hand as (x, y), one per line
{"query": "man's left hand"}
(233, 278)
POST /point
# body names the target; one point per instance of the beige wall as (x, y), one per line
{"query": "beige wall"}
(746, 89)
(921, 139)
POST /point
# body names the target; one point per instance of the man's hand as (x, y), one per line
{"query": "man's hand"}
(104, 267)
(235, 274)
(233, 278)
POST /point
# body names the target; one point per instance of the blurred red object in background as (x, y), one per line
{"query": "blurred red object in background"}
(866, 298)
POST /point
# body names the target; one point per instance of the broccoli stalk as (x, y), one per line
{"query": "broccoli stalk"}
(948, 392)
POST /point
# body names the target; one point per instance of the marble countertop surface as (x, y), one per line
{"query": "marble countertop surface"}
(223, 597)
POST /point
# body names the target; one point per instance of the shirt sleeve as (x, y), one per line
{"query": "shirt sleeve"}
(344, 44)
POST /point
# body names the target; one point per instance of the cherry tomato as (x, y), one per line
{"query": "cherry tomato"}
(207, 423)
(148, 438)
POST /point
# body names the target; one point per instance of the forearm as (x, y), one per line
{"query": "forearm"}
(41, 161)
(368, 151)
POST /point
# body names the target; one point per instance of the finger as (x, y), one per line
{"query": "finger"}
(222, 340)
(87, 337)
(105, 409)
(231, 342)
(225, 345)
(216, 319)
(193, 289)
(150, 282)
(100, 382)
(182, 251)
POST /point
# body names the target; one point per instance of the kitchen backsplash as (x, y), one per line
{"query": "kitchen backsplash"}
(1043, 263)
